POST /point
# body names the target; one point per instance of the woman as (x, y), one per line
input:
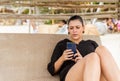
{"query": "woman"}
(92, 62)
(110, 24)
(62, 27)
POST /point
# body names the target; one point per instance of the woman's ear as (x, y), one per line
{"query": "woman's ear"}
(83, 29)
(68, 30)
(83, 32)
(68, 33)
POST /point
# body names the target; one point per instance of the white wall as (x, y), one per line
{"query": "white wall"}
(14, 29)
(112, 42)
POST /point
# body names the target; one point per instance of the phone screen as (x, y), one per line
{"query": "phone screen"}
(71, 45)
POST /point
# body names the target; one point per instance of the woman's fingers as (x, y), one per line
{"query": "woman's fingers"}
(78, 58)
(70, 55)
(68, 50)
(67, 54)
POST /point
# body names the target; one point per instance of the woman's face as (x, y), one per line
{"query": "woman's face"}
(75, 29)
(109, 20)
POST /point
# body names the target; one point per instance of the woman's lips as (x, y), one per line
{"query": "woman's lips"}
(75, 34)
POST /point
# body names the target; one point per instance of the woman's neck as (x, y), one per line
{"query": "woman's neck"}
(77, 41)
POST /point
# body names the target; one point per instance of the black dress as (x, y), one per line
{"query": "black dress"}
(84, 47)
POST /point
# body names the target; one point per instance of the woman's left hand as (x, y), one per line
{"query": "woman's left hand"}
(78, 56)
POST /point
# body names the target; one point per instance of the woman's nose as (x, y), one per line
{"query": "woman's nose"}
(74, 30)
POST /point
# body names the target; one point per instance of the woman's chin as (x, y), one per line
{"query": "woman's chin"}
(75, 38)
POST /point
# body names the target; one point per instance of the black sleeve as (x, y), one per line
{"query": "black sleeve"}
(95, 45)
(56, 54)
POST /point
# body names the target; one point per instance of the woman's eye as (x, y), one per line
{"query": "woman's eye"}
(78, 27)
(71, 28)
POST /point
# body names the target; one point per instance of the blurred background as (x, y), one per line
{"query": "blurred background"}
(44, 16)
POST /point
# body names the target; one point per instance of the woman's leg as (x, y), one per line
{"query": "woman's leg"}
(92, 68)
(87, 69)
(108, 66)
(102, 78)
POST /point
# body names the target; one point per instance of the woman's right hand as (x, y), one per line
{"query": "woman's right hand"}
(67, 55)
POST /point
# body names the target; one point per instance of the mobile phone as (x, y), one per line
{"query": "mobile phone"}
(72, 46)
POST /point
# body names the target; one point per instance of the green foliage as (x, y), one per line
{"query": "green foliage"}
(44, 10)
(26, 11)
(48, 22)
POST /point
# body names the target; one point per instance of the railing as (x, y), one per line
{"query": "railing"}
(66, 4)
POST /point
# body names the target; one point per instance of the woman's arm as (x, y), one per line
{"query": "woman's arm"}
(67, 55)
(58, 64)
(57, 59)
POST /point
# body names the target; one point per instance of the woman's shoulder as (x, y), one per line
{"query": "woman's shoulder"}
(63, 41)
(89, 40)
(92, 42)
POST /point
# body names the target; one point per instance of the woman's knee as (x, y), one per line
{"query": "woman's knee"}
(102, 51)
(92, 57)
(100, 48)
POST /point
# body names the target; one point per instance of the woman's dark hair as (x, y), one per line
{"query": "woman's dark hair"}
(65, 22)
(76, 17)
